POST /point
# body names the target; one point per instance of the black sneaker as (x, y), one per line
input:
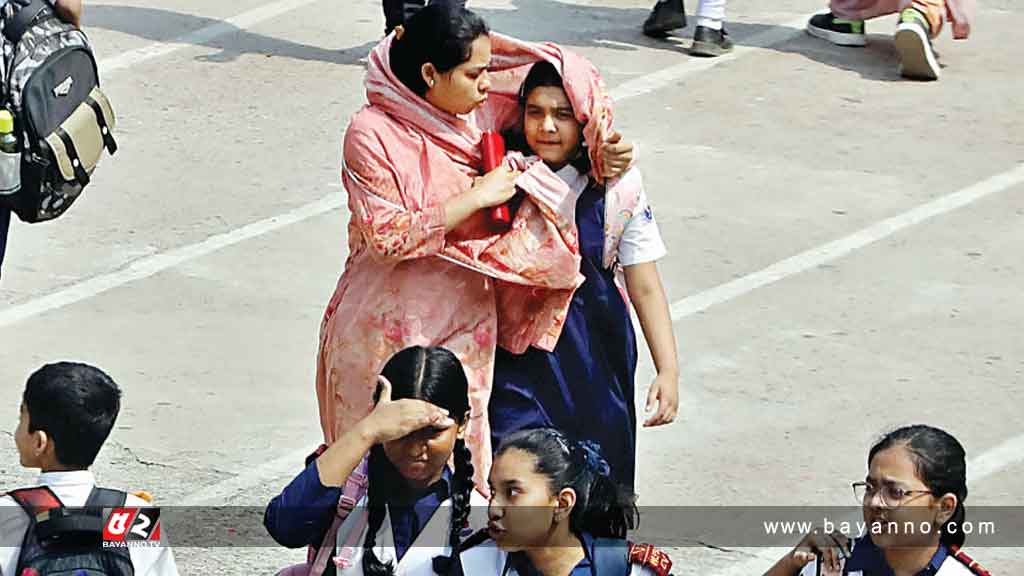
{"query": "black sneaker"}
(710, 42)
(837, 30)
(667, 15)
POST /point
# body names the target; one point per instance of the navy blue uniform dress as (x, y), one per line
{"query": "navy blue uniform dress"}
(585, 386)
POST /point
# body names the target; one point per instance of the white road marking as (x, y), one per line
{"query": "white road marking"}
(689, 67)
(150, 265)
(838, 248)
(242, 21)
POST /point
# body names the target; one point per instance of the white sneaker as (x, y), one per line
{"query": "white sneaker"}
(917, 58)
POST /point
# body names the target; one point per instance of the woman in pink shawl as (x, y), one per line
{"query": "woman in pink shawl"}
(425, 265)
(920, 22)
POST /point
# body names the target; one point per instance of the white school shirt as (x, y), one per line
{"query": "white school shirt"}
(489, 560)
(73, 488)
(641, 240)
(418, 559)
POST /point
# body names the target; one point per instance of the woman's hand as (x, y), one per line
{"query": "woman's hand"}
(391, 420)
(833, 548)
(617, 155)
(495, 188)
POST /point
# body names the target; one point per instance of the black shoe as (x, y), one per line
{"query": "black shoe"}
(710, 42)
(837, 30)
(667, 15)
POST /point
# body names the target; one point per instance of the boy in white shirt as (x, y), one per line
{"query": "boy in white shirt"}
(67, 412)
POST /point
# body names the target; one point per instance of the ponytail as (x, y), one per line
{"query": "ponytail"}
(607, 510)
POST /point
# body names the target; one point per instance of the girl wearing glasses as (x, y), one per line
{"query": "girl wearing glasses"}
(917, 477)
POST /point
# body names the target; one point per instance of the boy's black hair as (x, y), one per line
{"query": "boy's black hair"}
(76, 405)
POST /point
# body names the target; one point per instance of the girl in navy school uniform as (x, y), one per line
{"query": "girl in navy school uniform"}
(585, 386)
(417, 508)
(917, 475)
(556, 510)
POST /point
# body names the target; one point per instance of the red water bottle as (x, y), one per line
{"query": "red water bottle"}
(492, 148)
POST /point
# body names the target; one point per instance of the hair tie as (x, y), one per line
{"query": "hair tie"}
(592, 459)
(399, 32)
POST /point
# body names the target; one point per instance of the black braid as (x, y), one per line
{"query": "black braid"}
(379, 470)
(462, 488)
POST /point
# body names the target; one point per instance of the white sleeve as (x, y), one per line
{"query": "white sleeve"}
(157, 561)
(641, 570)
(641, 240)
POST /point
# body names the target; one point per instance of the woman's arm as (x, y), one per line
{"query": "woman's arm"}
(643, 283)
(393, 230)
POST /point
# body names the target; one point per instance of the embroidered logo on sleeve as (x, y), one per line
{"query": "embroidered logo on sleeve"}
(649, 214)
(650, 557)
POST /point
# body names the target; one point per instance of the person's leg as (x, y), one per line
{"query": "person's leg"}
(843, 24)
(919, 23)
(665, 16)
(710, 37)
(394, 14)
(5, 222)
(934, 11)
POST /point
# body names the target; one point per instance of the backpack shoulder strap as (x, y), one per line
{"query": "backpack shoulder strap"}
(35, 500)
(650, 557)
(106, 498)
(611, 557)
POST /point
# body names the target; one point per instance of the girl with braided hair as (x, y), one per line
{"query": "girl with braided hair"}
(417, 507)
(555, 509)
(913, 505)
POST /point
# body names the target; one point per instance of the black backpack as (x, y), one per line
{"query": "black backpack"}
(62, 541)
(50, 83)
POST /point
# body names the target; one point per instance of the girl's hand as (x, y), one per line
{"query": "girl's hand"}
(496, 187)
(665, 393)
(833, 548)
(391, 420)
(617, 155)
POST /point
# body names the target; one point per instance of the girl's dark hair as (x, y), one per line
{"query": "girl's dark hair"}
(603, 508)
(543, 74)
(441, 34)
(434, 375)
(941, 464)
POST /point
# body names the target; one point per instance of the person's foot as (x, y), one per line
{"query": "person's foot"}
(837, 30)
(667, 15)
(710, 42)
(917, 58)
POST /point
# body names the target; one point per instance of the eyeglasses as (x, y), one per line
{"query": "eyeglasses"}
(892, 496)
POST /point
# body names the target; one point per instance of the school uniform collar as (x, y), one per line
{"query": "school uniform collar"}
(869, 560)
(71, 478)
(585, 567)
(570, 175)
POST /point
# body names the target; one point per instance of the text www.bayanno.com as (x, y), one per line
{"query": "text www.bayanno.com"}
(861, 528)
